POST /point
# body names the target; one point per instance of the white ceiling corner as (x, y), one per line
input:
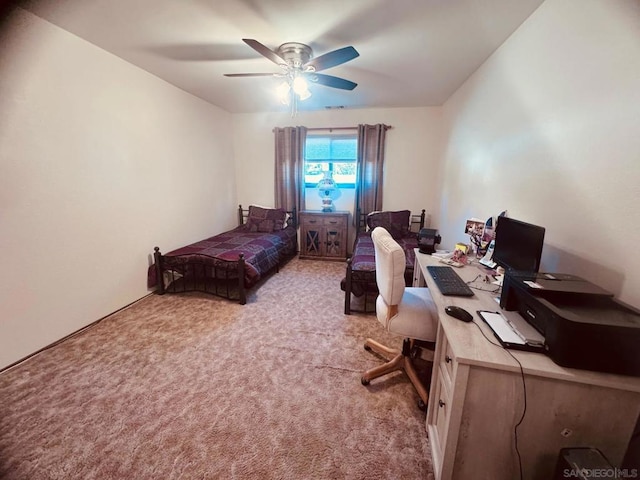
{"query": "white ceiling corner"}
(412, 53)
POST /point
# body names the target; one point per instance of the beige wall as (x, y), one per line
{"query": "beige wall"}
(90, 146)
(100, 161)
(411, 164)
(548, 129)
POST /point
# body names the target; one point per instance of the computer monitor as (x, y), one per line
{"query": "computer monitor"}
(518, 245)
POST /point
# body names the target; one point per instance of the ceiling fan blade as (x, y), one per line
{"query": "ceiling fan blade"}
(331, 81)
(250, 74)
(331, 59)
(265, 51)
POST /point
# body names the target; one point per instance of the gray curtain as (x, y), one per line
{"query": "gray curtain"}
(289, 167)
(371, 142)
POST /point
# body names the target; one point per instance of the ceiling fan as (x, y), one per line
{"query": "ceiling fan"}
(297, 61)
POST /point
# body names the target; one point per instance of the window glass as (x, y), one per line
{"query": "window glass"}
(331, 154)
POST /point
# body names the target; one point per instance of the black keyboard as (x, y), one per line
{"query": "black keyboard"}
(448, 281)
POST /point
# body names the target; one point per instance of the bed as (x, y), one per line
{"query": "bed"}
(230, 263)
(359, 283)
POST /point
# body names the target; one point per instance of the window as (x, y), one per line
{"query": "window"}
(336, 154)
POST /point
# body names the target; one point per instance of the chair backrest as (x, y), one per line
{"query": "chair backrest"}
(390, 266)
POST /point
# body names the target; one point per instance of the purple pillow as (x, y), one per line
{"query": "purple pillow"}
(265, 220)
(396, 223)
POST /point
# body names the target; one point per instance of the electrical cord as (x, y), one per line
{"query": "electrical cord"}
(524, 388)
(484, 281)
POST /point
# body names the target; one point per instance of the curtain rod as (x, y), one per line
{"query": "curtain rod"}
(332, 128)
(388, 127)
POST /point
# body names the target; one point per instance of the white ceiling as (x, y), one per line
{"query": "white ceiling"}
(412, 52)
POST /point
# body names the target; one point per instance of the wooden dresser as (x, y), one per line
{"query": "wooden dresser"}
(323, 235)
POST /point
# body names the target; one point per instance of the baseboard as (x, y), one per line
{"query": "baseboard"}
(72, 334)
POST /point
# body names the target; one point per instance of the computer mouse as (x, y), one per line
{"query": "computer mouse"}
(459, 313)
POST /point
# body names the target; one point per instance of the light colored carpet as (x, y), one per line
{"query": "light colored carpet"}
(191, 386)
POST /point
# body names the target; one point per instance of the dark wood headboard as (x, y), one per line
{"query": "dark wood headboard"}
(243, 213)
(417, 221)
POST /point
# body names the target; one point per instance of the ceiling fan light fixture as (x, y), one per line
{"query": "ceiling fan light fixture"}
(299, 66)
(283, 92)
(301, 88)
(304, 95)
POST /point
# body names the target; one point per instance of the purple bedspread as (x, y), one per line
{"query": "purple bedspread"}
(364, 256)
(262, 252)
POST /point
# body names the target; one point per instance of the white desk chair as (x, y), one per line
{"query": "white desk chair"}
(406, 311)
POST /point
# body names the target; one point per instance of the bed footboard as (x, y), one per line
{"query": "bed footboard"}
(189, 273)
(362, 285)
(359, 284)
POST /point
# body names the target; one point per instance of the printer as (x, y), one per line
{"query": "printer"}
(583, 325)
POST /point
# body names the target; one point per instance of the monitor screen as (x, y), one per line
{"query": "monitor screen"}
(518, 245)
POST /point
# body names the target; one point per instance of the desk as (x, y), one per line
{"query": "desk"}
(477, 397)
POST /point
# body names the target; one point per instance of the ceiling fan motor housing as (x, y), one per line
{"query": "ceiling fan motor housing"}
(295, 54)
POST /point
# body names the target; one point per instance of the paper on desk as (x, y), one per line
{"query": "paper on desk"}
(502, 328)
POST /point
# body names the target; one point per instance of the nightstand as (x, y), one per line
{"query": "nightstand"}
(323, 235)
